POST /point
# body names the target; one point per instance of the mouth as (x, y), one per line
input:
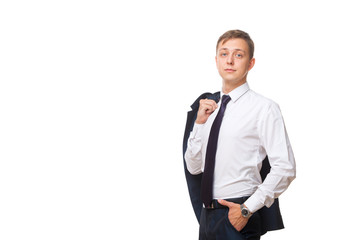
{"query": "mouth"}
(229, 70)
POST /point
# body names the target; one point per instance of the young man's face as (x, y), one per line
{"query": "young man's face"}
(233, 61)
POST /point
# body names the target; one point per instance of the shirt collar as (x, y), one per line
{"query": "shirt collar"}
(238, 92)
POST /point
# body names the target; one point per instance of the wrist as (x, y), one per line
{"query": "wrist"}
(245, 212)
(200, 121)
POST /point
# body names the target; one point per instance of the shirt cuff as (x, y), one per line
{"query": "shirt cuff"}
(253, 204)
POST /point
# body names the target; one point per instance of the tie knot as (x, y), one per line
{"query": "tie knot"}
(225, 99)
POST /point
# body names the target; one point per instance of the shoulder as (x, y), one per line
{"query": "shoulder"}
(262, 101)
(269, 110)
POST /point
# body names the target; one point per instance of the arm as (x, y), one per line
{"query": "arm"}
(275, 141)
(193, 152)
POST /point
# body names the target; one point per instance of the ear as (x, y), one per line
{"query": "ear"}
(216, 62)
(251, 64)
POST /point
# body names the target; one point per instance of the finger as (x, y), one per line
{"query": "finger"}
(208, 101)
(208, 107)
(225, 203)
(211, 102)
(209, 111)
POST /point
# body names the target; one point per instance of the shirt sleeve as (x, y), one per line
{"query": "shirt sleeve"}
(193, 157)
(275, 141)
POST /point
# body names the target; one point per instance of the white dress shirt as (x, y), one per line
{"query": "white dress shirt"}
(252, 128)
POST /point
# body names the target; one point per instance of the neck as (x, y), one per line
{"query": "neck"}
(228, 87)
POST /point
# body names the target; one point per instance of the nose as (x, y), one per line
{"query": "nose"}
(230, 59)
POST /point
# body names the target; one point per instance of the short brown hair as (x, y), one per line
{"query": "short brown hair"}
(231, 34)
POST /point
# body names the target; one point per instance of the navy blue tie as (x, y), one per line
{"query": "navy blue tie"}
(208, 175)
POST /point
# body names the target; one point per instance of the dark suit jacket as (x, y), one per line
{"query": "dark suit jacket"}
(270, 217)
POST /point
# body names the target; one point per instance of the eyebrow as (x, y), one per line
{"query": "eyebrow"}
(236, 49)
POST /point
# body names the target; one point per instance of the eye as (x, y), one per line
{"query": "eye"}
(238, 55)
(223, 54)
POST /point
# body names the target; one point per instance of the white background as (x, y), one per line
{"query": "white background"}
(93, 103)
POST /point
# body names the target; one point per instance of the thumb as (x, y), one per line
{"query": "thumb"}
(225, 203)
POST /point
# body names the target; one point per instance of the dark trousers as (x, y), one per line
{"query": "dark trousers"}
(215, 224)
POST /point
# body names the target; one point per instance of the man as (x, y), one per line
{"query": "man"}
(230, 144)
